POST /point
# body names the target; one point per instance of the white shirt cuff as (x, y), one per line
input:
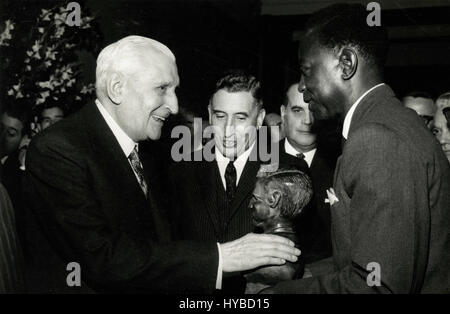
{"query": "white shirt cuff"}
(219, 270)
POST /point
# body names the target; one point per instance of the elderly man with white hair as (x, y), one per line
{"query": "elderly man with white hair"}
(95, 195)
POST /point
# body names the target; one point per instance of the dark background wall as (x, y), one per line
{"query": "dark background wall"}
(210, 36)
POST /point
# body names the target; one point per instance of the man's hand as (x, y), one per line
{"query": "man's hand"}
(255, 250)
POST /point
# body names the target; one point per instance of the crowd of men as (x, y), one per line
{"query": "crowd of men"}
(87, 189)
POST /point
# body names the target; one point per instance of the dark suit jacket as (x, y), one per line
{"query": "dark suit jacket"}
(201, 198)
(393, 186)
(91, 209)
(202, 212)
(11, 263)
(314, 224)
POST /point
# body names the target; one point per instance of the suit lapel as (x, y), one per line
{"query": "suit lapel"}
(154, 183)
(207, 177)
(246, 185)
(104, 144)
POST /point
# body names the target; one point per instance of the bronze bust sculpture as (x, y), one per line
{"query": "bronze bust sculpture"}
(279, 196)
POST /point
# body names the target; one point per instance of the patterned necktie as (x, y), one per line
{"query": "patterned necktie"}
(302, 162)
(138, 170)
(230, 180)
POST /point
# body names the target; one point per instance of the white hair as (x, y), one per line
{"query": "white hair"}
(123, 56)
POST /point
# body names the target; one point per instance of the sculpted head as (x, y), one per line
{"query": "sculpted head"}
(279, 197)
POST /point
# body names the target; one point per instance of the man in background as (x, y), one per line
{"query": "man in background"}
(422, 103)
(441, 124)
(214, 195)
(300, 149)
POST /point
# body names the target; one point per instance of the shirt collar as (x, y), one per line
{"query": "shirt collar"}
(239, 163)
(125, 142)
(292, 151)
(349, 115)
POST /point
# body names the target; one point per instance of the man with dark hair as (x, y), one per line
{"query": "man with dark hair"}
(50, 114)
(214, 195)
(14, 119)
(390, 205)
(422, 103)
(300, 148)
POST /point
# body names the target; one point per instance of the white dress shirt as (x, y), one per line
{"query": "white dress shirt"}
(222, 163)
(125, 142)
(239, 164)
(292, 151)
(349, 115)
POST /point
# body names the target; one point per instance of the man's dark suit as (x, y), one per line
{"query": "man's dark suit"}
(11, 263)
(203, 212)
(203, 201)
(92, 210)
(393, 186)
(314, 223)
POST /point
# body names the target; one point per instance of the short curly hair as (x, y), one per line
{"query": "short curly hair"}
(345, 24)
(295, 186)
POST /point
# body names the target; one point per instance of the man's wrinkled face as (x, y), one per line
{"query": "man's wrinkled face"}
(263, 214)
(424, 107)
(441, 129)
(50, 116)
(11, 134)
(148, 98)
(235, 117)
(320, 81)
(298, 121)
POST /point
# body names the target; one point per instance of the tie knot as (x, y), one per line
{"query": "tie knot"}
(301, 156)
(134, 154)
(230, 166)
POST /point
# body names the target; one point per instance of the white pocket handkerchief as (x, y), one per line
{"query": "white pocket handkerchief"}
(332, 198)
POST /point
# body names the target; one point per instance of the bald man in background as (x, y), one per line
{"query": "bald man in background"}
(95, 195)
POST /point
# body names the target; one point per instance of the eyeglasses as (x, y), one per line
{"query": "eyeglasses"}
(446, 112)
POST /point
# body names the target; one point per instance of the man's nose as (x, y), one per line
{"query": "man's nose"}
(229, 128)
(307, 119)
(172, 104)
(444, 139)
(301, 85)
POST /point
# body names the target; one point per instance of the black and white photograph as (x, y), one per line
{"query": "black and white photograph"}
(222, 152)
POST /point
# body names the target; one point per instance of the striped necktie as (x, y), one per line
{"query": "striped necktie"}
(138, 170)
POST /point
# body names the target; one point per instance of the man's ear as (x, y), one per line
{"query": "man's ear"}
(115, 88)
(274, 198)
(260, 119)
(348, 60)
(282, 112)
(210, 112)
